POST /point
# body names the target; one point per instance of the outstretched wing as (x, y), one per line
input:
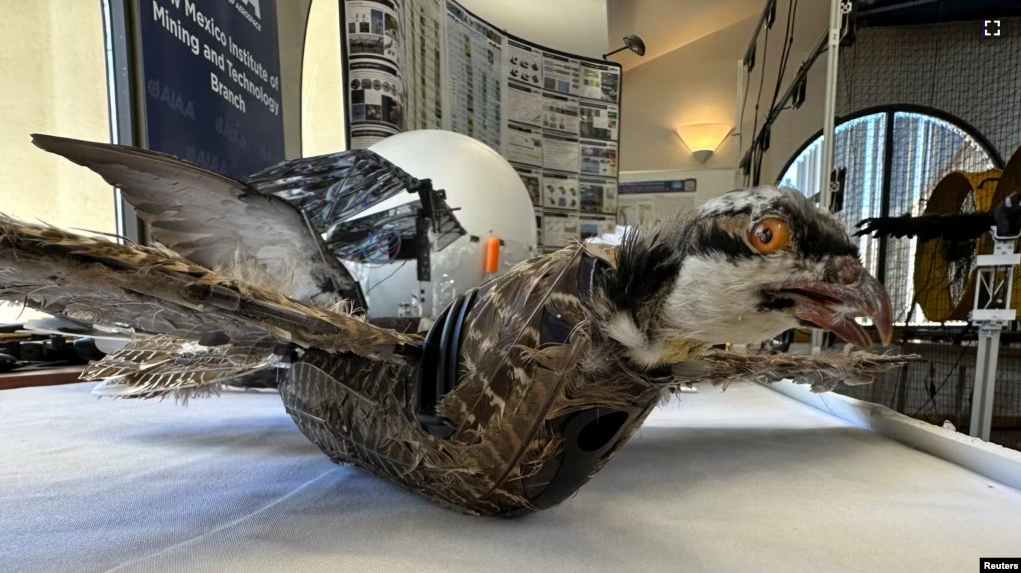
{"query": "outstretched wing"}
(822, 372)
(331, 189)
(149, 289)
(215, 221)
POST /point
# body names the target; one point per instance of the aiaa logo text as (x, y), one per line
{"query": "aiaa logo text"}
(254, 5)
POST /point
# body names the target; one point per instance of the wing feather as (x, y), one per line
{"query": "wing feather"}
(822, 372)
(208, 218)
(44, 267)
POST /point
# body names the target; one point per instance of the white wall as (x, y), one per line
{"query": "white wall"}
(291, 18)
(574, 26)
(322, 95)
(45, 87)
(698, 81)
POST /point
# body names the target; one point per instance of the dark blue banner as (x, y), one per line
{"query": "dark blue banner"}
(674, 186)
(211, 72)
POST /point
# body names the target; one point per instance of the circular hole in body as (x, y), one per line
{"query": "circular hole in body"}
(599, 431)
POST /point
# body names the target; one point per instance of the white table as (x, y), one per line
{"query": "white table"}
(746, 480)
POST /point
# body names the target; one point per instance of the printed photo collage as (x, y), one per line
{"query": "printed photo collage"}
(426, 64)
(375, 42)
(561, 136)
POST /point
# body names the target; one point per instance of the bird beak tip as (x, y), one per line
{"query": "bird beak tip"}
(876, 306)
(833, 307)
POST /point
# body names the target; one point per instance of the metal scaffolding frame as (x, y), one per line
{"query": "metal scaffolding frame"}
(991, 312)
(795, 94)
(826, 181)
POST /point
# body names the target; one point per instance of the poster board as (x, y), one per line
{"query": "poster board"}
(375, 49)
(554, 116)
(210, 75)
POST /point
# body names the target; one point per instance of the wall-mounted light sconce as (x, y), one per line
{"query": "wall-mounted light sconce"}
(703, 139)
(631, 42)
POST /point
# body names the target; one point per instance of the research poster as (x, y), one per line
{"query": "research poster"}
(523, 145)
(599, 158)
(532, 178)
(211, 78)
(564, 111)
(432, 64)
(423, 64)
(376, 53)
(560, 191)
(474, 66)
(598, 121)
(374, 30)
(375, 95)
(560, 113)
(524, 105)
(599, 81)
(560, 152)
(561, 74)
(559, 228)
(523, 64)
(598, 195)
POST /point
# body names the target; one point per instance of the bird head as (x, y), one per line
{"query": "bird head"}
(746, 267)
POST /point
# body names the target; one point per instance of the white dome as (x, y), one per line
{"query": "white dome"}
(491, 197)
(477, 179)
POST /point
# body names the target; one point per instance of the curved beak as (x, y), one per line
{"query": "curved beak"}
(849, 292)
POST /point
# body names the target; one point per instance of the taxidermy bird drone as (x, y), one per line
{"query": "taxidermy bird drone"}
(524, 387)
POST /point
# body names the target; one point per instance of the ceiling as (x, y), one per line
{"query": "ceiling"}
(666, 25)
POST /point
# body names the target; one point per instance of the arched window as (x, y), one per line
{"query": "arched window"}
(893, 159)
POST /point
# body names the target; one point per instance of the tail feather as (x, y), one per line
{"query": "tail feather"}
(159, 366)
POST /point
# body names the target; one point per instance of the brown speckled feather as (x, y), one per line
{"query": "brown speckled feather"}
(822, 372)
(515, 384)
(45, 268)
(514, 389)
(158, 366)
(502, 328)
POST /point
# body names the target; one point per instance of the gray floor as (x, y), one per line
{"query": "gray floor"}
(746, 480)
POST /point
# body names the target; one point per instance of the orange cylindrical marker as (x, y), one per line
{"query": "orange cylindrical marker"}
(492, 255)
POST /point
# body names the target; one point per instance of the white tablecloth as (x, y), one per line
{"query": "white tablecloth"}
(746, 480)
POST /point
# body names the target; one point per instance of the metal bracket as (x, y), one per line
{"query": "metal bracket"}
(830, 102)
(985, 381)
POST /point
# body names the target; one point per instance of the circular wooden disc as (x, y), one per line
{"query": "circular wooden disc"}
(957, 192)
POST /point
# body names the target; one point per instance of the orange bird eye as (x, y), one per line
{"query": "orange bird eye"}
(770, 236)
